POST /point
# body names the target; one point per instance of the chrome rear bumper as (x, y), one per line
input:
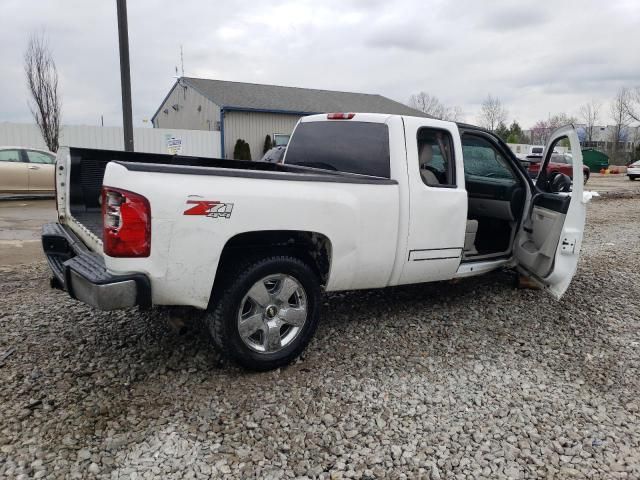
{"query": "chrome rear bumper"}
(83, 274)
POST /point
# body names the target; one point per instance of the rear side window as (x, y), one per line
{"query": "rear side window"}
(9, 156)
(435, 158)
(343, 146)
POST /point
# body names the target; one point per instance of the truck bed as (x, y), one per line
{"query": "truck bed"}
(88, 167)
(92, 220)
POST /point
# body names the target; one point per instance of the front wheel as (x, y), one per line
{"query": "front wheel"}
(268, 313)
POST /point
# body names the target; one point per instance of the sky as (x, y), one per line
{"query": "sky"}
(539, 57)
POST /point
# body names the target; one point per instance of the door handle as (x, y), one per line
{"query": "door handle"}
(33, 167)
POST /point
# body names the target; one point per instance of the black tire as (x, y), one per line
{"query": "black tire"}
(632, 177)
(586, 178)
(222, 316)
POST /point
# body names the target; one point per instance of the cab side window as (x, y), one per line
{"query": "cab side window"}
(435, 158)
(482, 159)
(10, 156)
(39, 157)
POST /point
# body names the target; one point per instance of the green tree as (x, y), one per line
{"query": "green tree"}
(515, 131)
(516, 135)
(237, 149)
(241, 150)
(268, 145)
(502, 131)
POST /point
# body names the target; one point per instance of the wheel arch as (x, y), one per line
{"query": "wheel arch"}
(312, 247)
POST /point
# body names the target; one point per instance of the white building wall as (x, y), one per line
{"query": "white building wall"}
(521, 150)
(149, 140)
(253, 127)
(185, 108)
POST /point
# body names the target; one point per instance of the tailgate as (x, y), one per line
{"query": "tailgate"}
(79, 176)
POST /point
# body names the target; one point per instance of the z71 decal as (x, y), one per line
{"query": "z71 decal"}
(209, 208)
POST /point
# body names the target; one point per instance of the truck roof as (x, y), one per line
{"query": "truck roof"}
(384, 117)
(363, 117)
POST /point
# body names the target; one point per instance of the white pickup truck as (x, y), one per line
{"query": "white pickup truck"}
(361, 201)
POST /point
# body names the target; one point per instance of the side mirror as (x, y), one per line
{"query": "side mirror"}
(560, 183)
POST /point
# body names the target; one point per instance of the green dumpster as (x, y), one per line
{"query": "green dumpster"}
(595, 159)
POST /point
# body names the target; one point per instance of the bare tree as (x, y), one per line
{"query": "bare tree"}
(632, 103)
(42, 80)
(492, 113)
(542, 129)
(454, 114)
(540, 132)
(426, 103)
(561, 119)
(621, 119)
(431, 105)
(589, 114)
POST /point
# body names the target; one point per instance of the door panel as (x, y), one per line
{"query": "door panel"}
(41, 171)
(13, 172)
(437, 201)
(548, 244)
(538, 251)
(553, 201)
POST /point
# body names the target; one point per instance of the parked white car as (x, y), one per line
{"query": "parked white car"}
(362, 201)
(633, 170)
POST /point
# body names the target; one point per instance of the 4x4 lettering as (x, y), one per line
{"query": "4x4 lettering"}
(209, 208)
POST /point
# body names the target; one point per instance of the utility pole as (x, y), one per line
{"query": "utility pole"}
(125, 75)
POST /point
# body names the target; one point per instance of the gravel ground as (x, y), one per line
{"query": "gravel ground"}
(468, 380)
(613, 185)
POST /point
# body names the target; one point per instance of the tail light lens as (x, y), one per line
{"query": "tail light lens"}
(126, 218)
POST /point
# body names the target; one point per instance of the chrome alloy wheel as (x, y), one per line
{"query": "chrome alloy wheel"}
(272, 313)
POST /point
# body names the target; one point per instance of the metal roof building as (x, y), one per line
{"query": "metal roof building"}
(250, 111)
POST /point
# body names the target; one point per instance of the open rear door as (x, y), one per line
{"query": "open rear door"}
(548, 243)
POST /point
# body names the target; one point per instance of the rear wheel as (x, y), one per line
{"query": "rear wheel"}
(268, 314)
(586, 178)
(632, 177)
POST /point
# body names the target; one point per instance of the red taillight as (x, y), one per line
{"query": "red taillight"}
(126, 219)
(340, 116)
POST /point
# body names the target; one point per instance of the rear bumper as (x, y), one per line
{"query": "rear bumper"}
(83, 274)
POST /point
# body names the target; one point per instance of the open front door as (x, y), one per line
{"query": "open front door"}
(548, 243)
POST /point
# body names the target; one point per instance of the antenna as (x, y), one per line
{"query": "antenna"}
(181, 61)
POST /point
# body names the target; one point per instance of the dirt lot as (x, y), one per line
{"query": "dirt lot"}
(20, 225)
(468, 380)
(613, 185)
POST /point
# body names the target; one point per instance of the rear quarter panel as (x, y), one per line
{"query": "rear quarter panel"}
(360, 220)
